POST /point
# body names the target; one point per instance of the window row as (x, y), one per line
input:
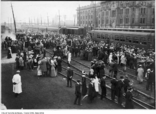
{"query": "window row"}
(124, 38)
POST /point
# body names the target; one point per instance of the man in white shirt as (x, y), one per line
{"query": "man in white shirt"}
(17, 85)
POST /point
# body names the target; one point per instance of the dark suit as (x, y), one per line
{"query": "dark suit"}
(150, 78)
(126, 84)
(113, 88)
(129, 102)
(115, 69)
(120, 86)
(78, 93)
(69, 77)
(103, 88)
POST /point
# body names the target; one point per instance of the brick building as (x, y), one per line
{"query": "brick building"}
(117, 14)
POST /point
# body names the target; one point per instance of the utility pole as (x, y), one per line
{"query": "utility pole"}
(95, 16)
(59, 18)
(64, 19)
(74, 19)
(79, 15)
(47, 20)
(41, 20)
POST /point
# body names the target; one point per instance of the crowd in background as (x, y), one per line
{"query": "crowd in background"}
(31, 53)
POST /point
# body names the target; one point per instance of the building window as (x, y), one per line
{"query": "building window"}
(132, 20)
(127, 20)
(106, 12)
(121, 21)
(121, 11)
(153, 20)
(127, 11)
(113, 13)
(143, 11)
(106, 21)
(142, 20)
(153, 11)
(133, 10)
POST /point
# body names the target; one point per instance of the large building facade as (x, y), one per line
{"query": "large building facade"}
(117, 14)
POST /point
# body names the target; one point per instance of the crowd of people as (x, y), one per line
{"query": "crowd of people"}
(31, 54)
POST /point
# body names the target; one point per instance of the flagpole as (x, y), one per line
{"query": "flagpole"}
(14, 19)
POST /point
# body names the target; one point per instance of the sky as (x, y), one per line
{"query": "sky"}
(41, 10)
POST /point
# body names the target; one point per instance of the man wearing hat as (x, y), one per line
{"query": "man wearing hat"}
(150, 77)
(113, 88)
(17, 84)
(70, 74)
(84, 86)
(129, 97)
(120, 85)
(78, 92)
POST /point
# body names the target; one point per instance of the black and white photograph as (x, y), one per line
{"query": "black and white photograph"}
(78, 55)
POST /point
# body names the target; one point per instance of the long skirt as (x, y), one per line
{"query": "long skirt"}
(53, 72)
(140, 78)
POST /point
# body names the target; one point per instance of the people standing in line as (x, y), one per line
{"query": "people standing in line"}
(84, 86)
(140, 74)
(9, 54)
(17, 83)
(128, 98)
(78, 93)
(70, 74)
(103, 87)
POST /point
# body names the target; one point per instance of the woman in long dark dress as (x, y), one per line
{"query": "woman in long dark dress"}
(84, 86)
(9, 54)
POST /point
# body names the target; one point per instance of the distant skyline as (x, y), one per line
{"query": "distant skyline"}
(40, 10)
